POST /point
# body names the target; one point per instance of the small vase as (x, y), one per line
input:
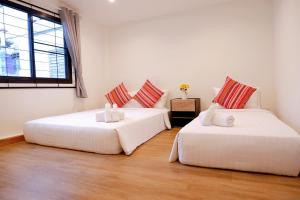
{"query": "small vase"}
(183, 95)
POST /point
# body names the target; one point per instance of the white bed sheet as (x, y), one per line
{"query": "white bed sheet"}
(259, 142)
(80, 131)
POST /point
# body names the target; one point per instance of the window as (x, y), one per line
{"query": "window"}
(32, 46)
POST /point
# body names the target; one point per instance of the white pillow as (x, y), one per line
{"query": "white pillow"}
(253, 102)
(161, 103)
(133, 104)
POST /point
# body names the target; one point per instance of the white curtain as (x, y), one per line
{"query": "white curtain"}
(70, 22)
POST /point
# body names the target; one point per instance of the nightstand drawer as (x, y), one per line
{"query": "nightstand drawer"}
(187, 105)
(184, 110)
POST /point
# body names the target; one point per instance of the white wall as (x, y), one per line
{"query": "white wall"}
(199, 47)
(20, 105)
(287, 49)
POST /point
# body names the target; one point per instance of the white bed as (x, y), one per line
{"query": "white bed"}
(259, 142)
(80, 131)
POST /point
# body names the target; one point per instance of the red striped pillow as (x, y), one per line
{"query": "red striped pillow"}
(234, 95)
(148, 95)
(119, 95)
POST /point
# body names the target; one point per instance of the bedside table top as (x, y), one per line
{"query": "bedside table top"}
(185, 99)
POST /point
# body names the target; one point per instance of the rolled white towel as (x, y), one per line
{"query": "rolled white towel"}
(108, 115)
(205, 119)
(107, 106)
(121, 115)
(206, 116)
(222, 119)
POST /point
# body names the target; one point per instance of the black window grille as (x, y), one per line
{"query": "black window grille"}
(32, 48)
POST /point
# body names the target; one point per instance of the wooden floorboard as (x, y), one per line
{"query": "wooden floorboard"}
(35, 172)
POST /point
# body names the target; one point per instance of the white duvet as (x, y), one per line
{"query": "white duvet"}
(258, 142)
(80, 131)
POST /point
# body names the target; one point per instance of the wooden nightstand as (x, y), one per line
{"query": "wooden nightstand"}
(184, 111)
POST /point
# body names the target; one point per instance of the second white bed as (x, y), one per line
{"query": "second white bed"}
(259, 142)
(80, 131)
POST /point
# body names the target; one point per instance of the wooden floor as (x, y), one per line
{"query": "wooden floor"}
(42, 173)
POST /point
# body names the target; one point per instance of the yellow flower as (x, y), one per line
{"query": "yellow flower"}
(184, 86)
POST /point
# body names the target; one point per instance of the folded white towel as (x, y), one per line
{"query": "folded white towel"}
(100, 116)
(110, 116)
(222, 119)
(206, 116)
(115, 116)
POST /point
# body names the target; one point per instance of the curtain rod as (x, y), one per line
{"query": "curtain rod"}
(41, 8)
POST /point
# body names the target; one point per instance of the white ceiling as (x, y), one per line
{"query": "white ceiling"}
(123, 11)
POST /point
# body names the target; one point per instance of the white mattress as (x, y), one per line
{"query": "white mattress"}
(80, 131)
(259, 142)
